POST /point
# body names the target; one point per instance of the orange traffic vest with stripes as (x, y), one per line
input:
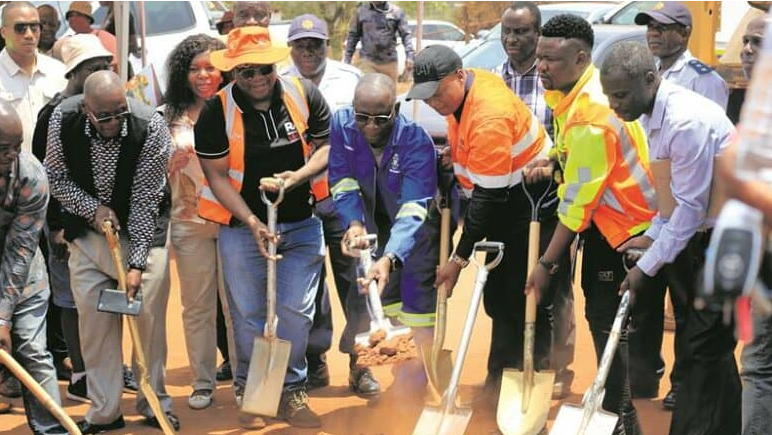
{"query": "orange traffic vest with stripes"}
(605, 162)
(497, 135)
(297, 106)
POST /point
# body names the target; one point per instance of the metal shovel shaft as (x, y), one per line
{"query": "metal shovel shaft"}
(270, 294)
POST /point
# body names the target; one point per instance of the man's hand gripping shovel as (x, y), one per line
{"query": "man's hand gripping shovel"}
(118, 302)
(270, 354)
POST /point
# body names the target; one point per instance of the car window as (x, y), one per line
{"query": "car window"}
(487, 55)
(161, 17)
(627, 14)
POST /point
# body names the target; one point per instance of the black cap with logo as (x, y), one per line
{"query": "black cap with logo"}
(431, 65)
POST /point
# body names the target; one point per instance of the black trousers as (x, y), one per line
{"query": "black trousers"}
(709, 395)
(602, 274)
(503, 296)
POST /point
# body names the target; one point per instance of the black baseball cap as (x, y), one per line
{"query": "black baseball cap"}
(432, 64)
(666, 13)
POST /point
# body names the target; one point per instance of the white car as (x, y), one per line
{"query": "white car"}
(435, 32)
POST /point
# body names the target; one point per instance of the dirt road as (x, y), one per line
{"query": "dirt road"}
(399, 406)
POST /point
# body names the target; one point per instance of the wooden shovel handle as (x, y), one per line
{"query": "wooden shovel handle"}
(115, 252)
(38, 391)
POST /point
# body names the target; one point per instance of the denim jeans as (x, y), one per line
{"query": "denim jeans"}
(28, 337)
(297, 277)
(757, 379)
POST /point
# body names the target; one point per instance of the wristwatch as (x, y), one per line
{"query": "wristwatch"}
(5, 323)
(552, 267)
(463, 262)
(394, 260)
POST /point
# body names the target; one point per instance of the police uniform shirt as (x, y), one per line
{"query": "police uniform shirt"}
(684, 128)
(271, 145)
(690, 73)
(337, 85)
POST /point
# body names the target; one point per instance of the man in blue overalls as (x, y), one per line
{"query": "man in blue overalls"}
(383, 174)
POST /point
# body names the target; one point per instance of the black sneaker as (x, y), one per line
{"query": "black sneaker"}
(129, 383)
(78, 391)
(293, 408)
(89, 428)
(224, 373)
(174, 422)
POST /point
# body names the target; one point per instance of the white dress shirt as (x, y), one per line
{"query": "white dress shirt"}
(28, 94)
(337, 85)
(685, 128)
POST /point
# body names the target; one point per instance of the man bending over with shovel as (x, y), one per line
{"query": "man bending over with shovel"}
(25, 291)
(107, 158)
(606, 192)
(263, 125)
(383, 175)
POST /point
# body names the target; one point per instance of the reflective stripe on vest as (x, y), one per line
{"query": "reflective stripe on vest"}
(522, 152)
(294, 99)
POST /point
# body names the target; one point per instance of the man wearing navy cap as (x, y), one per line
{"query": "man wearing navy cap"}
(668, 28)
(309, 41)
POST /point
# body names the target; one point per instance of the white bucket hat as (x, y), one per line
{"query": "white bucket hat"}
(79, 48)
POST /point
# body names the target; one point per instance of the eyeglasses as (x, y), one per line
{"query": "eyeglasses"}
(21, 28)
(105, 118)
(249, 71)
(378, 120)
(662, 28)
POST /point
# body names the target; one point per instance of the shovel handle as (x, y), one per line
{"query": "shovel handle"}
(43, 397)
(442, 291)
(489, 248)
(611, 344)
(115, 251)
(271, 319)
(276, 182)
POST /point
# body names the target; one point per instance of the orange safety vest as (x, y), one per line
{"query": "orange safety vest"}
(295, 100)
(496, 136)
(605, 162)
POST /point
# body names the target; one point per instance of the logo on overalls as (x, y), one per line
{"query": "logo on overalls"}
(292, 132)
(394, 167)
(606, 275)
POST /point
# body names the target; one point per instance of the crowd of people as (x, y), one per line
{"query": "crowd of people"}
(187, 177)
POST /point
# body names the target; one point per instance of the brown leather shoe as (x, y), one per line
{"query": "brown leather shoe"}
(250, 421)
(293, 408)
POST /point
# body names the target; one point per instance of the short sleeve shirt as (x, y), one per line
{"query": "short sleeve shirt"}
(270, 145)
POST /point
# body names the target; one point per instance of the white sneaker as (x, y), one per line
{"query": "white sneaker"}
(238, 392)
(200, 399)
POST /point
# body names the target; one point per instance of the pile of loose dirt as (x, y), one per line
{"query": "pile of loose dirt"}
(383, 351)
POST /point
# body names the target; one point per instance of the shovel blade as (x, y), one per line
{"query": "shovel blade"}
(569, 420)
(438, 370)
(114, 301)
(510, 416)
(265, 380)
(438, 421)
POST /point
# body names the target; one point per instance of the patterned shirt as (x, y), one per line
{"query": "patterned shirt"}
(147, 189)
(528, 87)
(24, 196)
(377, 29)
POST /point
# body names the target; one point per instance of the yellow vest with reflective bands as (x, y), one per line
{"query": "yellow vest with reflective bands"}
(295, 100)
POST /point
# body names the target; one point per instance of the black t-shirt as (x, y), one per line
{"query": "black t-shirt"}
(271, 144)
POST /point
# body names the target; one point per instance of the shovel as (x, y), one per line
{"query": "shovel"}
(117, 301)
(448, 418)
(525, 395)
(378, 320)
(589, 418)
(136, 342)
(270, 354)
(46, 400)
(439, 364)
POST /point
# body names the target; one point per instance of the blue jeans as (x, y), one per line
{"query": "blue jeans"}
(28, 337)
(297, 278)
(757, 379)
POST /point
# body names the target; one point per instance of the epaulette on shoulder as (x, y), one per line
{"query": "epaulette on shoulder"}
(700, 67)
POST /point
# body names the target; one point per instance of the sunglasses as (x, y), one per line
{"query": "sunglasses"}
(378, 120)
(104, 119)
(249, 71)
(21, 28)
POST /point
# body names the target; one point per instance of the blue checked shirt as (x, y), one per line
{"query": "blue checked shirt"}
(528, 87)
